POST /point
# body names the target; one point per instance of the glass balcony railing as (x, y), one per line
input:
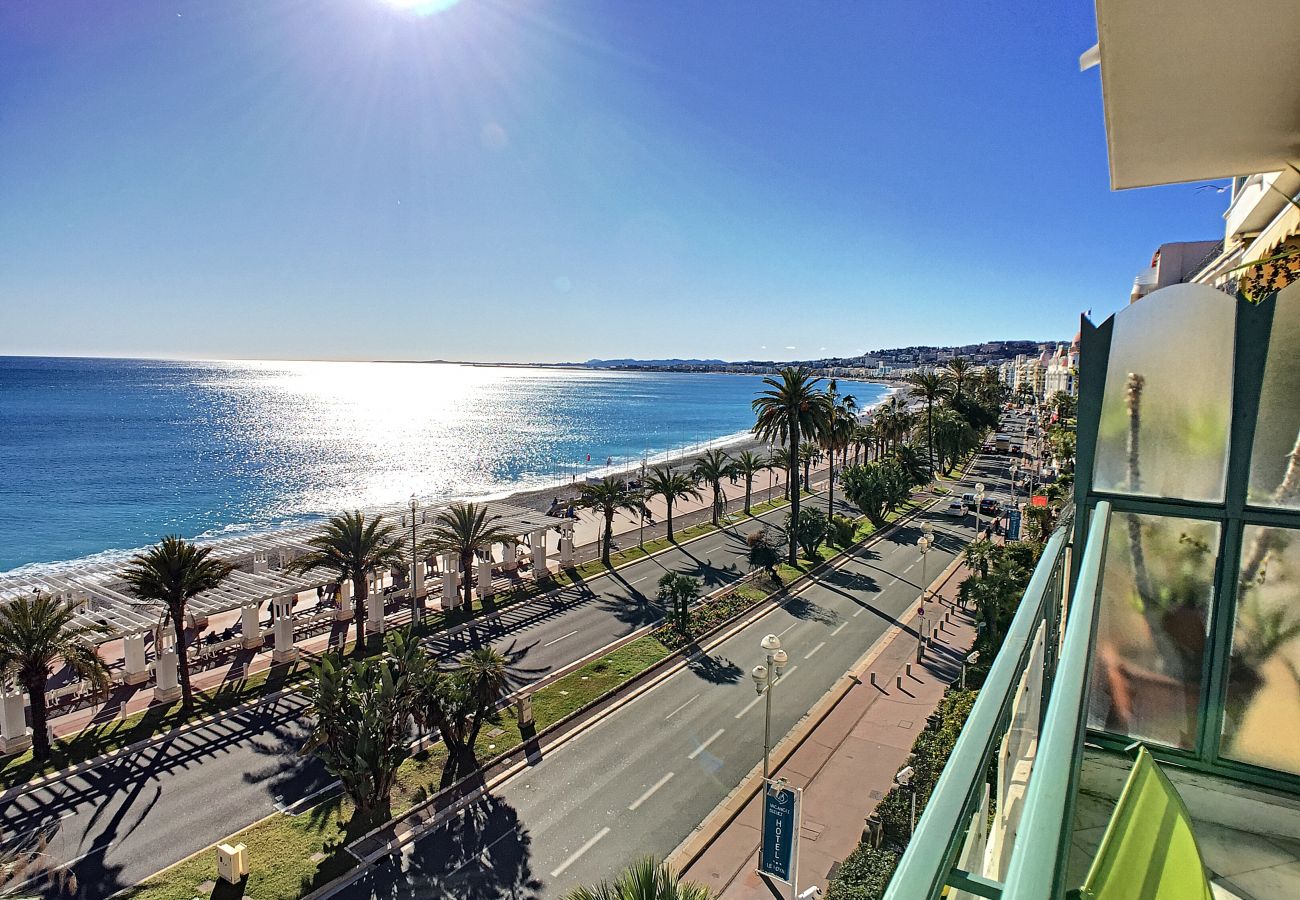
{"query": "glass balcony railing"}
(1026, 798)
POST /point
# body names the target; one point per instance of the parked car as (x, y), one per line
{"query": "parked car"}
(956, 509)
(990, 507)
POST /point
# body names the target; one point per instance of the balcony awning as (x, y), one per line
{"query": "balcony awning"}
(1198, 89)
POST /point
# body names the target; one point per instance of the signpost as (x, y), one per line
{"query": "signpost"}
(779, 857)
(1013, 525)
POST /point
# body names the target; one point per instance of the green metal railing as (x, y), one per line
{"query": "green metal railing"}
(930, 861)
(1037, 867)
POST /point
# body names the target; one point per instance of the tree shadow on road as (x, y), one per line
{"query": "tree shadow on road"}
(715, 670)
(484, 853)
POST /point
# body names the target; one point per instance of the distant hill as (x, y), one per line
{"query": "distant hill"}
(651, 363)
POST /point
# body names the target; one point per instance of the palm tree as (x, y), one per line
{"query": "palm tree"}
(35, 632)
(931, 386)
(958, 370)
(835, 435)
(487, 676)
(609, 495)
(807, 456)
(748, 464)
(780, 461)
(713, 466)
(665, 482)
(351, 546)
(644, 880)
(791, 407)
(169, 575)
(977, 555)
(465, 529)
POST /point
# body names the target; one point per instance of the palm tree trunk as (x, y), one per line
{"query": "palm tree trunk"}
(359, 593)
(670, 518)
(930, 433)
(793, 474)
(182, 658)
(830, 484)
(35, 687)
(608, 537)
(717, 501)
(466, 574)
(749, 487)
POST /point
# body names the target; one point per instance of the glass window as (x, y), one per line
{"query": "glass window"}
(1262, 715)
(1156, 593)
(1274, 468)
(1168, 398)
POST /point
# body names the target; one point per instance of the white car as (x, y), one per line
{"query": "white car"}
(956, 509)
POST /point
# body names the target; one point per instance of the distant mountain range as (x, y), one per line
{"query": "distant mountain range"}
(608, 363)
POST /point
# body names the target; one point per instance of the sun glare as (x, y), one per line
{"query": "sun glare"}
(421, 7)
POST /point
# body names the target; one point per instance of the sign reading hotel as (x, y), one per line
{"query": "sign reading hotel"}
(780, 831)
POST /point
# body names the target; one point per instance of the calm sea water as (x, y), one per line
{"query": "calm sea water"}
(108, 455)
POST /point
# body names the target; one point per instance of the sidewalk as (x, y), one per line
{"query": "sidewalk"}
(845, 764)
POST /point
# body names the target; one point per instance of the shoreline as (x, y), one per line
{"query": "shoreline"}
(536, 498)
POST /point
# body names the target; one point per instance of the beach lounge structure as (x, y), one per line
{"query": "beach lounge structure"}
(138, 644)
(1142, 715)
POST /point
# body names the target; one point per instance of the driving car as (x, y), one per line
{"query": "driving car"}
(968, 500)
(956, 509)
(989, 507)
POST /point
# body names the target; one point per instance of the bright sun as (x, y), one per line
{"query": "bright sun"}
(421, 7)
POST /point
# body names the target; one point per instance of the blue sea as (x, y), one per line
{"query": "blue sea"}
(103, 456)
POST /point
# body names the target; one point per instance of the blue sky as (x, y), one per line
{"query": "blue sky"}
(527, 180)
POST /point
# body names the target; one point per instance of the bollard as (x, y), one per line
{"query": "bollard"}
(873, 680)
(909, 670)
(900, 682)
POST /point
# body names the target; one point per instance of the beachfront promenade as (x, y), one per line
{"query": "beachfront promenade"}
(124, 817)
(220, 654)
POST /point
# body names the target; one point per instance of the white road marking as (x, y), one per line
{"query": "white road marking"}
(814, 650)
(650, 793)
(560, 638)
(910, 568)
(748, 706)
(791, 625)
(683, 706)
(639, 580)
(861, 610)
(842, 626)
(700, 749)
(556, 873)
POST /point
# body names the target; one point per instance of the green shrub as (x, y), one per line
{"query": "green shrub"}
(863, 875)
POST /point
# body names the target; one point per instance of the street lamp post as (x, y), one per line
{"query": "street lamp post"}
(640, 541)
(979, 498)
(413, 504)
(923, 542)
(765, 679)
(904, 779)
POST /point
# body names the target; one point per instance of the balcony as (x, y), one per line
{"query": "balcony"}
(1163, 625)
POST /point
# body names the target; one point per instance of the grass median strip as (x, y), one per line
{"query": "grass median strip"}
(291, 856)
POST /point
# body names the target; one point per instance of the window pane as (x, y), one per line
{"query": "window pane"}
(1168, 396)
(1156, 593)
(1262, 715)
(1274, 471)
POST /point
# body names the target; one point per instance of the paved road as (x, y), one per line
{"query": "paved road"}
(637, 783)
(130, 816)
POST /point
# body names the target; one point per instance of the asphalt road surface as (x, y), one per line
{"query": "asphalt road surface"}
(638, 782)
(136, 813)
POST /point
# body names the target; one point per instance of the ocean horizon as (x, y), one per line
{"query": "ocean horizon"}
(104, 456)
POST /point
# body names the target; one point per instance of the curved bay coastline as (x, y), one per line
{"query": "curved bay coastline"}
(650, 401)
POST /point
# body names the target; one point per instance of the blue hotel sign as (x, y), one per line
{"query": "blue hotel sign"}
(1013, 525)
(780, 832)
